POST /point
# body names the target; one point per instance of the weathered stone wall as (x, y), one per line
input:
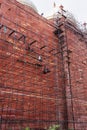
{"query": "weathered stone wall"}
(78, 71)
(28, 96)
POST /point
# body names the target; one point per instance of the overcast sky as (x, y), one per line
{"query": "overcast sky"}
(77, 7)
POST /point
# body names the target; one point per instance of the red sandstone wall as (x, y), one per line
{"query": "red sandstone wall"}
(26, 93)
(78, 72)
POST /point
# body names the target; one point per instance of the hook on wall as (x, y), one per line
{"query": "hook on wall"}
(46, 70)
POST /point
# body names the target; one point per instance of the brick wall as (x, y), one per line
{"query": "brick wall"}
(73, 47)
(28, 97)
(27, 94)
(78, 69)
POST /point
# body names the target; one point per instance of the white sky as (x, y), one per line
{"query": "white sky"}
(77, 7)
